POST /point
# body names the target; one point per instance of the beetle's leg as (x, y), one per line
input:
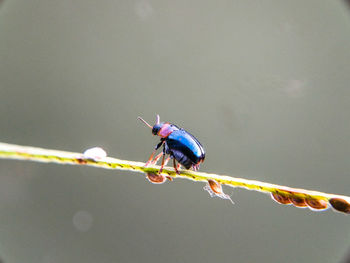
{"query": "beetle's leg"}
(176, 166)
(154, 151)
(163, 162)
(166, 161)
(195, 167)
(161, 167)
(155, 160)
(150, 158)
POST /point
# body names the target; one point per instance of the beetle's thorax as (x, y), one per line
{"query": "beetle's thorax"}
(165, 130)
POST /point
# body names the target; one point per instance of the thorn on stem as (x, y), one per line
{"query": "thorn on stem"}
(155, 178)
(340, 205)
(215, 189)
(313, 203)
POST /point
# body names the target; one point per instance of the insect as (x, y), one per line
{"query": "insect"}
(179, 144)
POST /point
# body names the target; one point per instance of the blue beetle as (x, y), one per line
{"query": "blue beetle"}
(179, 144)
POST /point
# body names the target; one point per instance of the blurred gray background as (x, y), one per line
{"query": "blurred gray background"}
(264, 85)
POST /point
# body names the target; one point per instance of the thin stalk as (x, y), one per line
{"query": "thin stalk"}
(314, 200)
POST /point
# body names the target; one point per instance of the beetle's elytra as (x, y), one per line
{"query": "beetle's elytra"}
(179, 144)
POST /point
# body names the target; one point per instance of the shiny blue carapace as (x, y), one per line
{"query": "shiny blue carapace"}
(178, 144)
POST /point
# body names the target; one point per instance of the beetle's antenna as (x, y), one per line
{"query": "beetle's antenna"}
(145, 122)
(157, 119)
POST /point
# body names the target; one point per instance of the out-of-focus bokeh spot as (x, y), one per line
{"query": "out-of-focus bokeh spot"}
(83, 221)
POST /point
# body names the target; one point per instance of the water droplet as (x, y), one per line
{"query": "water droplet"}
(95, 153)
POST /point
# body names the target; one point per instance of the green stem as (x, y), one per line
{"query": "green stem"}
(282, 194)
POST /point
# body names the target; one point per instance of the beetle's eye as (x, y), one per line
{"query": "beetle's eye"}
(155, 129)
